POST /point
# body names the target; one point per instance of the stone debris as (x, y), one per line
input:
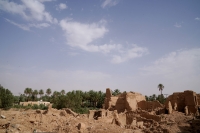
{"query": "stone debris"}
(3, 117)
(81, 126)
(186, 110)
(175, 106)
(128, 112)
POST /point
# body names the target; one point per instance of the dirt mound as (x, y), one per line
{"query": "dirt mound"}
(61, 121)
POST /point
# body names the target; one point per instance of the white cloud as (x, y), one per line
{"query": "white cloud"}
(62, 6)
(28, 26)
(29, 10)
(177, 25)
(197, 18)
(12, 7)
(179, 64)
(81, 35)
(128, 54)
(109, 3)
(178, 71)
(21, 26)
(41, 25)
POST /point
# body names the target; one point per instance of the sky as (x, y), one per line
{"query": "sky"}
(130, 45)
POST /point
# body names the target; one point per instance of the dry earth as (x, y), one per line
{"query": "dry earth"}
(62, 121)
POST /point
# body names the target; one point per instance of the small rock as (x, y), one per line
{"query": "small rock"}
(32, 121)
(140, 124)
(38, 111)
(81, 126)
(3, 117)
(89, 128)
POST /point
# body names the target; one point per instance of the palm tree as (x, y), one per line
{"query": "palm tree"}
(48, 91)
(35, 93)
(161, 87)
(116, 92)
(41, 92)
(56, 93)
(62, 92)
(154, 97)
(26, 91)
(30, 92)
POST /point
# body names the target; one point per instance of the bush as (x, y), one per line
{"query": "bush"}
(17, 106)
(26, 107)
(43, 107)
(35, 106)
(84, 110)
(6, 98)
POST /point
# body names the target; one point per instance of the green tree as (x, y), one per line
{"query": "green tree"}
(22, 98)
(35, 93)
(160, 87)
(48, 91)
(101, 99)
(62, 92)
(147, 98)
(161, 98)
(16, 99)
(28, 92)
(116, 92)
(41, 93)
(6, 98)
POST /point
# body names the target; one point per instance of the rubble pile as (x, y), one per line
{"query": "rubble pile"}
(124, 113)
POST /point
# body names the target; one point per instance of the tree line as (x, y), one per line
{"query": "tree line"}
(77, 100)
(154, 97)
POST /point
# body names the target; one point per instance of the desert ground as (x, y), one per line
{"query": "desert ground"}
(125, 113)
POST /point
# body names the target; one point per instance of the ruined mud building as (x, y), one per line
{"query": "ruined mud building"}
(132, 107)
(188, 99)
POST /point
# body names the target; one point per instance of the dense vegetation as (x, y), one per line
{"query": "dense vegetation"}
(6, 98)
(154, 97)
(77, 100)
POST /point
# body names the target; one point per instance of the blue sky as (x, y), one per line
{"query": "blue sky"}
(96, 44)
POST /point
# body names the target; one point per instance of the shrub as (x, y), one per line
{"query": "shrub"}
(35, 106)
(43, 107)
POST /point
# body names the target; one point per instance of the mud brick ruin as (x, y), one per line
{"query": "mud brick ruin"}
(127, 112)
(180, 100)
(134, 111)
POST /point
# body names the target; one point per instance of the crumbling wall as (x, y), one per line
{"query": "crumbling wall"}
(178, 98)
(131, 118)
(91, 114)
(150, 105)
(122, 119)
(198, 98)
(191, 101)
(125, 101)
(120, 103)
(131, 103)
(150, 116)
(182, 99)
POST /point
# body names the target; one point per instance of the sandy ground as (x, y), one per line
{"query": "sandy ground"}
(59, 121)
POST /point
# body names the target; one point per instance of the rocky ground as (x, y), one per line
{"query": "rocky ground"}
(62, 121)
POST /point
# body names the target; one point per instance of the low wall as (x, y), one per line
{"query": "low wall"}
(32, 103)
(150, 116)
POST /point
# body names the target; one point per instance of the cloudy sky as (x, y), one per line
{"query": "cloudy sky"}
(96, 44)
